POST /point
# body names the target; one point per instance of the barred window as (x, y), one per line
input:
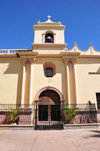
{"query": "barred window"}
(49, 72)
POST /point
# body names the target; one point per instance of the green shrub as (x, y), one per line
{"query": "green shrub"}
(14, 115)
(69, 114)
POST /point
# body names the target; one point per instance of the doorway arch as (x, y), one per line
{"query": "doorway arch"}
(49, 101)
(49, 106)
(49, 88)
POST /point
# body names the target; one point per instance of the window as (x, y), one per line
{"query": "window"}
(48, 72)
(49, 38)
(49, 69)
(98, 100)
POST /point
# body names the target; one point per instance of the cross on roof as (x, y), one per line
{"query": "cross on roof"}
(49, 17)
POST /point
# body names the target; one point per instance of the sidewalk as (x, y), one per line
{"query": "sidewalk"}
(52, 140)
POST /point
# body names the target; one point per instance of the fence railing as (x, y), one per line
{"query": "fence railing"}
(24, 107)
(82, 107)
(28, 115)
(20, 114)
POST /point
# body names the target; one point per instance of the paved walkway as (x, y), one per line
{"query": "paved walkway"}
(52, 140)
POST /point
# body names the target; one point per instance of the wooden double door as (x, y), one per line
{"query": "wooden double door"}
(49, 113)
(49, 106)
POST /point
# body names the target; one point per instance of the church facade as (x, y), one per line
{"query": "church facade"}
(49, 73)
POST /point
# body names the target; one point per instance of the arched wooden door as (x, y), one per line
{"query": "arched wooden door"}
(49, 106)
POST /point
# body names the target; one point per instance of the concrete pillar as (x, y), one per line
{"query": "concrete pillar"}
(23, 84)
(43, 38)
(75, 79)
(30, 85)
(54, 38)
(67, 80)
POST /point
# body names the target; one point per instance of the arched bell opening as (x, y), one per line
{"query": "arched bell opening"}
(49, 38)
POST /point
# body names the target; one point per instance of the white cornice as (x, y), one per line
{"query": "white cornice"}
(48, 26)
(54, 45)
(27, 54)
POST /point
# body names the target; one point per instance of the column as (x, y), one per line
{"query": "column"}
(75, 80)
(23, 85)
(43, 38)
(30, 87)
(67, 78)
(54, 38)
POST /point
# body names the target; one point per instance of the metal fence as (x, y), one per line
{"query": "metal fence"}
(82, 107)
(46, 115)
(23, 113)
(86, 113)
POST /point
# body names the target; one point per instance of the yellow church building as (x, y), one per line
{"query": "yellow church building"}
(48, 75)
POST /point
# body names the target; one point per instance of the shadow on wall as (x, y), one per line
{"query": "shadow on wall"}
(89, 61)
(15, 67)
(98, 71)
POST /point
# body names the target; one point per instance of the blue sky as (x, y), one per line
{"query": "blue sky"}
(81, 18)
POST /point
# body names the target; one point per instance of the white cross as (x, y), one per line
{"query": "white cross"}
(49, 17)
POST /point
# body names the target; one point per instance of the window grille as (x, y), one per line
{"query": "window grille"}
(48, 72)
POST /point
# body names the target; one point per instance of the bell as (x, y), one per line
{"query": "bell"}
(49, 39)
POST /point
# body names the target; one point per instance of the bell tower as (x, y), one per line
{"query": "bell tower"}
(49, 32)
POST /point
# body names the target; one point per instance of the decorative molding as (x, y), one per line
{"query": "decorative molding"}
(32, 60)
(66, 60)
(9, 56)
(91, 45)
(44, 45)
(74, 60)
(27, 55)
(49, 26)
(49, 88)
(69, 54)
(70, 59)
(75, 45)
(89, 56)
(49, 31)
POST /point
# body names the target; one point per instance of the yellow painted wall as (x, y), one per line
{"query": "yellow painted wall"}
(88, 84)
(40, 81)
(10, 81)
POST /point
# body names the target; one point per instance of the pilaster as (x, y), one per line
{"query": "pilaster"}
(66, 61)
(30, 83)
(23, 83)
(75, 78)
